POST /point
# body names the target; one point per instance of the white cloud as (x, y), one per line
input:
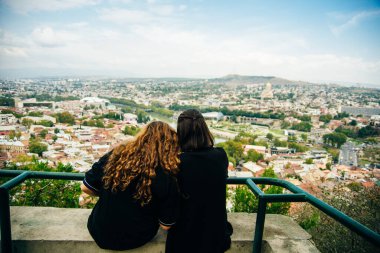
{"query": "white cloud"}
(13, 52)
(162, 49)
(125, 16)
(47, 37)
(153, 13)
(351, 21)
(77, 25)
(163, 10)
(25, 6)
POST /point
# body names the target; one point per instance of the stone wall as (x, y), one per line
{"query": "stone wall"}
(63, 230)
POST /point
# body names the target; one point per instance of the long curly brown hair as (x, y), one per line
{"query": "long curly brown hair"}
(154, 146)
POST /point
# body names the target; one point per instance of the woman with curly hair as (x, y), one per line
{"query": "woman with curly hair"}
(137, 189)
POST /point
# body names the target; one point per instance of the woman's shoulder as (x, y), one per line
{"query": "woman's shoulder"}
(213, 152)
(220, 150)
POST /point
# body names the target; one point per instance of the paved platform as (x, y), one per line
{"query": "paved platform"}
(63, 230)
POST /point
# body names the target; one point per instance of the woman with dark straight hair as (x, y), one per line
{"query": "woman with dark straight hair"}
(202, 226)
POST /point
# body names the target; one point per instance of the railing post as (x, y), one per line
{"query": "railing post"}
(5, 221)
(259, 229)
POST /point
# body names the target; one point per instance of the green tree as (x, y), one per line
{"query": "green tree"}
(35, 114)
(341, 115)
(56, 130)
(269, 136)
(348, 131)
(233, 118)
(45, 192)
(131, 130)
(278, 143)
(253, 156)
(362, 204)
(335, 139)
(142, 117)
(27, 122)
(37, 147)
(233, 149)
(18, 135)
(261, 143)
(61, 167)
(46, 123)
(353, 123)
(43, 133)
(54, 138)
(65, 117)
(12, 134)
(245, 201)
(298, 147)
(325, 118)
(309, 161)
(303, 126)
(9, 111)
(245, 138)
(285, 125)
(304, 137)
(368, 131)
(7, 101)
(334, 152)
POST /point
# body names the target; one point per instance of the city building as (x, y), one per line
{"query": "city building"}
(216, 116)
(267, 92)
(348, 154)
(11, 146)
(7, 119)
(367, 111)
(375, 121)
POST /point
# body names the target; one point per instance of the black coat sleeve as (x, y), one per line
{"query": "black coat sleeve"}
(93, 177)
(168, 201)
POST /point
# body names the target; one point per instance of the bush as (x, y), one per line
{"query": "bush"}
(37, 147)
(131, 130)
(245, 201)
(303, 126)
(329, 235)
(45, 192)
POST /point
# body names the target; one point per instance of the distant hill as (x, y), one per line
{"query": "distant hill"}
(239, 79)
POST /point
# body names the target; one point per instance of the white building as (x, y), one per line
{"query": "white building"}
(11, 146)
(7, 119)
(253, 167)
(213, 116)
(95, 101)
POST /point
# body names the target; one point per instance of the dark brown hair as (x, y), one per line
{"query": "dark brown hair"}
(193, 132)
(155, 145)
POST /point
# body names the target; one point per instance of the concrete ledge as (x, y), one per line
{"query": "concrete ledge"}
(63, 230)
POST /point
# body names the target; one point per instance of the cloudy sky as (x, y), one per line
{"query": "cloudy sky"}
(324, 40)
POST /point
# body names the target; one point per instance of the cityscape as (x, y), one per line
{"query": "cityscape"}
(289, 89)
(312, 135)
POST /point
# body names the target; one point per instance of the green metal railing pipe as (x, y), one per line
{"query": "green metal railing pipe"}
(16, 180)
(254, 188)
(298, 195)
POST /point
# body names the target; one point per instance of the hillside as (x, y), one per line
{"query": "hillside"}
(239, 79)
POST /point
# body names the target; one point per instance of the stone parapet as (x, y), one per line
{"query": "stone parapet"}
(64, 230)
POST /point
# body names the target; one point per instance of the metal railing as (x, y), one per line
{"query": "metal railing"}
(297, 195)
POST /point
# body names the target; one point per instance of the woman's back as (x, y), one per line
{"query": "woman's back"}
(202, 223)
(136, 188)
(118, 221)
